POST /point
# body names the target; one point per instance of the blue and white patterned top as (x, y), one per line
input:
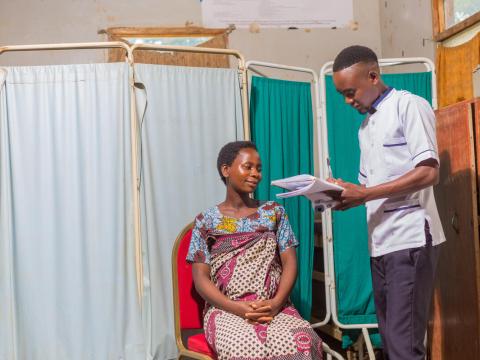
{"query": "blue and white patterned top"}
(269, 215)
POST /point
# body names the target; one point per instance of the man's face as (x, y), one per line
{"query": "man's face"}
(357, 84)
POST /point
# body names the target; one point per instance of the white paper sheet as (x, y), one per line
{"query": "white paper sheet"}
(277, 13)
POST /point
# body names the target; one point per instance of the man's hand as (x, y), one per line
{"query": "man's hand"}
(352, 195)
(423, 175)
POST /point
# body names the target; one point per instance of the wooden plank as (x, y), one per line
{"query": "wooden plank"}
(329, 329)
(476, 219)
(454, 327)
(318, 275)
(455, 29)
(219, 40)
(437, 17)
(119, 32)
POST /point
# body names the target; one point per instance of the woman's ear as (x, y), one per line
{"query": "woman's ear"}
(225, 171)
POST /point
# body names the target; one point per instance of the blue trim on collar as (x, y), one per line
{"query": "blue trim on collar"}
(381, 97)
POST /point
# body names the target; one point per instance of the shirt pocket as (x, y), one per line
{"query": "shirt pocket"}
(396, 156)
(404, 206)
(404, 221)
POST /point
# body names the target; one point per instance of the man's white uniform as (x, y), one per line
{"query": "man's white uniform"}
(396, 136)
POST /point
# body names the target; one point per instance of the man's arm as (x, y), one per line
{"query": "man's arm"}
(424, 175)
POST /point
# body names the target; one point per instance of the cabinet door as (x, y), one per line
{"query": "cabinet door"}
(454, 327)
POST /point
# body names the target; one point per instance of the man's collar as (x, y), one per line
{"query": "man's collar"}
(373, 107)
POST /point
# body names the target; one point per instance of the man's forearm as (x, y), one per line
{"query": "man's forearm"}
(415, 180)
(424, 175)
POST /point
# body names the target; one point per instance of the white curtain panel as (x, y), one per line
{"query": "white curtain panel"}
(67, 271)
(186, 116)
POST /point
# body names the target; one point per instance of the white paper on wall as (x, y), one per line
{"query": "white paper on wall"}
(277, 13)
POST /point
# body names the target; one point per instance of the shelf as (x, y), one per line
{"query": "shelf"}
(318, 275)
(329, 329)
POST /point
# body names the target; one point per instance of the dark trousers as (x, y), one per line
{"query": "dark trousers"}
(402, 286)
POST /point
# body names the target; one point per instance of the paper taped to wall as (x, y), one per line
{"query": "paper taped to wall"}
(277, 13)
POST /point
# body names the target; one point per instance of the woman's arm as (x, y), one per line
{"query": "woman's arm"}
(287, 281)
(210, 293)
(289, 275)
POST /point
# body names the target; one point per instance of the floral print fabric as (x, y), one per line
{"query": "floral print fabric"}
(269, 216)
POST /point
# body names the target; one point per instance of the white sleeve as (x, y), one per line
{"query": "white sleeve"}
(419, 129)
(362, 172)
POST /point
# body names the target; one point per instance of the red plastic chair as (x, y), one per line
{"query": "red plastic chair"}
(187, 303)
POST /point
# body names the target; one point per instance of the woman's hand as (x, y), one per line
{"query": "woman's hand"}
(254, 312)
(241, 308)
(263, 311)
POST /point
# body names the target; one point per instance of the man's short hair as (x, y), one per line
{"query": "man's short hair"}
(353, 55)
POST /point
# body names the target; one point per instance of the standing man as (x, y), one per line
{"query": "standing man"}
(398, 168)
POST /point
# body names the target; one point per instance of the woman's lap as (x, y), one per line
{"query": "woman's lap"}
(288, 336)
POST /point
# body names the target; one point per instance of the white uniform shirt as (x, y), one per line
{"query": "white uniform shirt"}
(393, 140)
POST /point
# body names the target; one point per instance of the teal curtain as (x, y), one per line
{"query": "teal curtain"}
(352, 264)
(282, 128)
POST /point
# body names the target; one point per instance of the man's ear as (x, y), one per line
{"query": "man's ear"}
(373, 76)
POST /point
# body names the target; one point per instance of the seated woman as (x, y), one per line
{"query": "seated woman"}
(244, 266)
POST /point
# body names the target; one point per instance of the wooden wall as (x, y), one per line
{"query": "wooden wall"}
(454, 327)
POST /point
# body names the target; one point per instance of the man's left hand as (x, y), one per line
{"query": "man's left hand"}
(352, 195)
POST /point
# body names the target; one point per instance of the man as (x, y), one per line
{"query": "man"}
(398, 168)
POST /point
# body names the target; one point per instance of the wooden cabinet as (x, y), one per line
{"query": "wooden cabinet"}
(454, 331)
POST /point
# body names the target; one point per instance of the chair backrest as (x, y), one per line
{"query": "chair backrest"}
(188, 304)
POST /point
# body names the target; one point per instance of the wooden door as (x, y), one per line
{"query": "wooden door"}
(454, 327)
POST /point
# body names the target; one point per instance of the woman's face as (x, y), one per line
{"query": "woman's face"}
(245, 172)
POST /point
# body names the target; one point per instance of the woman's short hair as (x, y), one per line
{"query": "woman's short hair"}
(229, 152)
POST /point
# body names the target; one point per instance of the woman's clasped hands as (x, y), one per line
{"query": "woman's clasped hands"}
(258, 312)
(262, 311)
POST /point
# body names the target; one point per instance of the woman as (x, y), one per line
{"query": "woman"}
(244, 266)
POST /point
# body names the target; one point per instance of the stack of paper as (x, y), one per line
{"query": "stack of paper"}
(311, 187)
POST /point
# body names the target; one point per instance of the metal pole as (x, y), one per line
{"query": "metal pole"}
(194, 49)
(321, 136)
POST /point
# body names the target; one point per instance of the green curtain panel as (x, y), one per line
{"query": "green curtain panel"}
(281, 122)
(352, 264)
